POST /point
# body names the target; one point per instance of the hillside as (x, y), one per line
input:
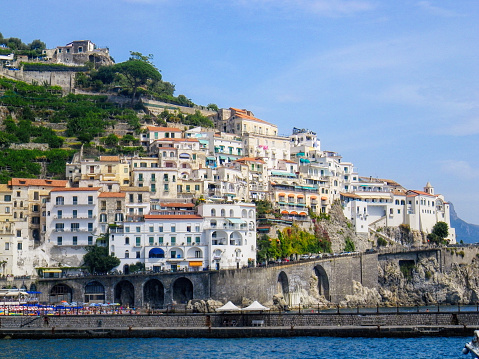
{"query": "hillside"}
(466, 232)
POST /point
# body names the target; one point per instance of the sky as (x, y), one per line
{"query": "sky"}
(392, 86)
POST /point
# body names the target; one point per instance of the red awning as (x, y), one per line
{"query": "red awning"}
(303, 214)
(294, 212)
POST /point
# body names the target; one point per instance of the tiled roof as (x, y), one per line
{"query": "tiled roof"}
(191, 205)
(177, 140)
(243, 114)
(37, 182)
(109, 158)
(350, 195)
(423, 193)
(162, 129)
(173, 216)
(75, 189)
(111, 195)
(249, 159)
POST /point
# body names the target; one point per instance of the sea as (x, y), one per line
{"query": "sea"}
(298, 347)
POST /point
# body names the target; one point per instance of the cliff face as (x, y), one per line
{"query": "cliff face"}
(424, 284)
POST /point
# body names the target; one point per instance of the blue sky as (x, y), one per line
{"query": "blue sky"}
(390, 85)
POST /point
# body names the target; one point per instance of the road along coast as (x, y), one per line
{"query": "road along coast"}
(239, 325)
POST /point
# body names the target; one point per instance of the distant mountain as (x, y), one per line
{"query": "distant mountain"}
(468, 233)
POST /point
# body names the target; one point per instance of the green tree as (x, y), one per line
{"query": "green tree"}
(97, 260)
(37, 45)
(137, 72)
(439, 232)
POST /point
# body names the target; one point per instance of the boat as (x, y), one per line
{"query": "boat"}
(473, 346)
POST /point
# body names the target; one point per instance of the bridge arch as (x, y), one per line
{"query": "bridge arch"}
(283, 286)
(182, 290)
(323, 281)
(154, 294)
(125, 293)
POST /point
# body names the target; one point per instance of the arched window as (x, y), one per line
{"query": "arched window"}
(223, 213)
(244, 213)
(232, 213)
(156, 253)
(213, 212)
(251, 213)
(127, 254)
(21, 214)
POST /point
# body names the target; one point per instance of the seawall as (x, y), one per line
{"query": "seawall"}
(240, 325)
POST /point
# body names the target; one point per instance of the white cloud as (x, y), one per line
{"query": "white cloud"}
(330, 8)
(436, 10)
(459, 169)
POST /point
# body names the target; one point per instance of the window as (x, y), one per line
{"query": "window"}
(75, 240)
(7, 209)
(74, 213)
(60, 201)
(7, 246)
(90, 213)
(138, 229)
(59, 214)
(197, 187)
(90, 227)
(153, 188)
(140, 177)
(160, 240)
(165, 187)
(59, 227)
(160, 229)
(188, 228)
(35, 208)
(90, 199)
(140, 198)
(197, 240)
(20, 246)
(132, 199)
(103, 218)
(75, 200)
(173, 254)
(138, 241)
(103, 205)
(173, 229)
(90, 240)
(152, 229)
(127, 254)
(19, 232)
(173, 241)
(188, 240)
(188, 188)
(118, 205)
(127, 240)
(151, 240)
(137, 254)
(197, 228)
(197, 254)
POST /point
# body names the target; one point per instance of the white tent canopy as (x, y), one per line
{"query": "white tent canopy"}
(228, 307)
(255, 306)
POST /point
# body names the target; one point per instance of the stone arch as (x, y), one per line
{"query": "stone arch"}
(125, 293)
(154, 294)
(323, 281)
(182, 290)
(60, 292)
(94, 292)
(283, 286)
(236, 239)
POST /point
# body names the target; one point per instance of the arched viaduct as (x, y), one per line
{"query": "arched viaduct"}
(332, 277)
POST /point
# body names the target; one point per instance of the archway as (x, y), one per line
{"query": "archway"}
(283, 286)
(323, 281)
(125, 293)
(60, 292)
(154, 294)
(94, 292)
(182, 290)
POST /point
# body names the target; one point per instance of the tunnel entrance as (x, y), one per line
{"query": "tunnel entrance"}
(154, 294)
(323, 281)
(283, 286)
(182, 290)
(125, 293)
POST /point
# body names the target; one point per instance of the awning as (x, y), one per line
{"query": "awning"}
(281, 173)
(300, 196)
(211, 158)
(52, 271)
(324, 198)
(290, 195)
(313, 197)
(304, 160)
(303, 214)
(284, 212)
(223, 157)
(203, 142)
(195, 263)
(293, 212)
(281, 194)
(236, 220)
(300, 154)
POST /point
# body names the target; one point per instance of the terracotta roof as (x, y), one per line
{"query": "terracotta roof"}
(110, 158)
(173, 216)
(422, 193)
(75, 189)
(191, 205)
(163, 129)
(37, 182)
(111, 195)
(244, 114)
(177, 140)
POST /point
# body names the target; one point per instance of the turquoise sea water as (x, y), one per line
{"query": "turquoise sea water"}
(301, 347)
